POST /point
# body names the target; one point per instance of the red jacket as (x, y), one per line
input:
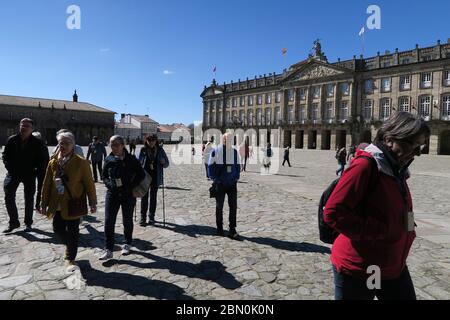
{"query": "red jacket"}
(379, 235)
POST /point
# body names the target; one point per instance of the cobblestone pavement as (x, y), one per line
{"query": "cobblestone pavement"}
(280, 256)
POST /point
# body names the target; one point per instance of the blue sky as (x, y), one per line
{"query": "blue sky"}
(118, 58)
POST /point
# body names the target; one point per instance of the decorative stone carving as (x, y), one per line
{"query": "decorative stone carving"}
(316, 72)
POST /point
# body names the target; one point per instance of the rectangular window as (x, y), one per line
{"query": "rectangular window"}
(316, 92)
(404, 104)
(242, 101)
(258, 117)
(446, 77)
(259, 99)
(425, 80)
(234, 102)
(268, 98)
(268, 117)
(250, 100)
(219, 104)
(368, 86)
(302, 113)
(405, 82)
(242, 116)
(385, 109)
(291, 116)
(345, 89)
(330, 90)
(278, 115)
(425, 106)
(386, 84)
(367, 109)
(278, 97)
(315, 111)
(405, 61)
(302, 94)
(343, 114)
(250, 118)
(446, 106)
(329, 110)
(290, 94)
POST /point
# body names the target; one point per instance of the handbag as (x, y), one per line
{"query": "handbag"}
(77, 207)
(142, 189)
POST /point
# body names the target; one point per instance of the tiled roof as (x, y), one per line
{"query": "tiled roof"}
(47, 104)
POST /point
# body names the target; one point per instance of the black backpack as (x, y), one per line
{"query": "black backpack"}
(327, 234)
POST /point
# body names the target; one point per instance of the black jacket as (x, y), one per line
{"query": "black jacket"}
(26, 159)
(128, 170)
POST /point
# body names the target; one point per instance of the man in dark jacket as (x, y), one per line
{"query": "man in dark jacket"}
(286, 157)
(224, 169)
(25, 158)
(97, 153)
(154, 160)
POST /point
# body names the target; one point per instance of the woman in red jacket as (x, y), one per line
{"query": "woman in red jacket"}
(371, 208)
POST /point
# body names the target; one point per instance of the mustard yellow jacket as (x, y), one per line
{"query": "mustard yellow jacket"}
(80, 183)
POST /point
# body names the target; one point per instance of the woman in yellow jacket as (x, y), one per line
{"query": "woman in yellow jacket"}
(68, 177)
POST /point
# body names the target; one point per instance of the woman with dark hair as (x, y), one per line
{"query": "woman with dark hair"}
(371, 208)
(154, 160)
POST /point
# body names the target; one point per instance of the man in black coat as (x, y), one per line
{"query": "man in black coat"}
(25, 158)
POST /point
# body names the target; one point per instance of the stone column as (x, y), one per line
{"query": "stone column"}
(434, 141)
(293, 139)
(319, 140)
(305, 139)
(333, 139)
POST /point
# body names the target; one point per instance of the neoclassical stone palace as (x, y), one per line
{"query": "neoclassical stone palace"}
(320, 105)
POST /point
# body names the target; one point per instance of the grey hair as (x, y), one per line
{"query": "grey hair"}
(67, 135)
(402, 126)
(117, 138)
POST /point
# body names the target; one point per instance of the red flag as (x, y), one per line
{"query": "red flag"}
(284, 51)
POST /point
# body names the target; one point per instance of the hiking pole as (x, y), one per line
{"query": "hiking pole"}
(164, 207)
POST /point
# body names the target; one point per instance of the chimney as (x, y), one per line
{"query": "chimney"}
(122, 115)
(75, 96)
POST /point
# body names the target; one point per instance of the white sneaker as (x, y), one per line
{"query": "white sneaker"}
(106, 255)
(125, 249)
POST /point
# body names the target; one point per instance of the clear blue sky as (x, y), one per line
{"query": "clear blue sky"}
(118, 58)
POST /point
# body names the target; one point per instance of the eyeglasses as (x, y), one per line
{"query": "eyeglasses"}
(409, 146)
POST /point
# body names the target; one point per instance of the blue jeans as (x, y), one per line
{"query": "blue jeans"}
(350, 288)
(341, 169)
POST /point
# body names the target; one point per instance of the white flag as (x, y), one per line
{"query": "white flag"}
(363, 29)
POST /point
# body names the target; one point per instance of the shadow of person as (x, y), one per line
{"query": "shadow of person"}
(96, 239)
(288, 245)
(49, 237)
(213, 271)
(177, 189)
(189, 230)
(195, 230)
(132, 284)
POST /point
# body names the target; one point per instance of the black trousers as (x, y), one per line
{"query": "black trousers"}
(231, 192)
(349, 288)
(153, 195)
(113, 203)
(206, 168)
(289, 163)
(97, 166)
(10, 186)
(68, 232)
(245, 163)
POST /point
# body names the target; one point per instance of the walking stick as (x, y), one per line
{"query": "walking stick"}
(164, 207)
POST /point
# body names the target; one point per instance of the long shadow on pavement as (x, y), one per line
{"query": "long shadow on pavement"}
(195, 230)
(132, 284)
(213, 271)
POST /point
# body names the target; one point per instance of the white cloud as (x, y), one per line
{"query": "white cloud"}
(104, 50)
(168, 72)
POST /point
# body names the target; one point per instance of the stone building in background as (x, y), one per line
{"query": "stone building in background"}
(320, 105)
(85, 120)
